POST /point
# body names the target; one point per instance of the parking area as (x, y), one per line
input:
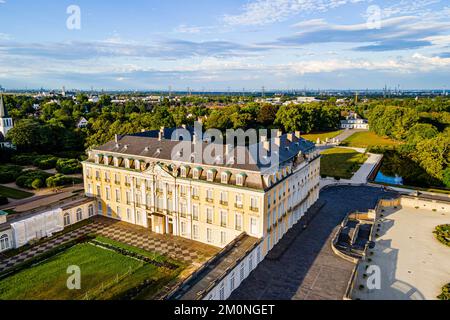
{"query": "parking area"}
(308, 269)
(413, 264)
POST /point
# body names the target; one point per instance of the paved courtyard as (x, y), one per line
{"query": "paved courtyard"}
(413, 264)
(308, 269)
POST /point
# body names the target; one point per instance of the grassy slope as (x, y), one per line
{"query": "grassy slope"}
(341, 163)
(48, 280)
(323, 136)
(14, 193)
(367, 139)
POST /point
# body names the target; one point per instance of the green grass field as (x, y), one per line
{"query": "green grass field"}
(14, 193)
(367, 139)
(100, 268)
(323, 136)
(341, 163)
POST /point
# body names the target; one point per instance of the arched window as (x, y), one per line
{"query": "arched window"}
(79, 215)
(66, 219)
(4, 242)
(91, 210)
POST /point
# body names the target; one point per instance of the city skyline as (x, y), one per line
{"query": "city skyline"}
(282, 44)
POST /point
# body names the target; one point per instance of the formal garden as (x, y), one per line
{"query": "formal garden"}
(341, 163)
(33, 172)
(109, 270)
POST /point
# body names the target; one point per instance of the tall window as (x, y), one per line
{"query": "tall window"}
(117, 195)
(254, 226)
(254, 203)
(242, 272)
(79, 215)
(223, 218)
(128, 195)
(183, 228)
(238, 222)
(108, 211)
(232, 282)
(4, 242)
(209, 215)
(129, 214)
(209, 194)
(224, 197)
(195, 212)
(195, 192)
(91, 210)
(138, 217)
(66, 219)
(210, 175)
(100, 207)
(195, 232)
(239, 202)
(209, 237)
(108, 193)
(240, 180)
(119, 214)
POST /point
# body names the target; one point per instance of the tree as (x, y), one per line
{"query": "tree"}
(267, 115)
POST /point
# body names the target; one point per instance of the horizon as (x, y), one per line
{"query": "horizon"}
(239, 45)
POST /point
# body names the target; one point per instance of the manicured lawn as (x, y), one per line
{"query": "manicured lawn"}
(14, 193)
(100, 268)
(341, 163)
(323, 135)
(367, 139)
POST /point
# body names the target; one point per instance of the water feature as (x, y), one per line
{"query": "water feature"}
(381, 178)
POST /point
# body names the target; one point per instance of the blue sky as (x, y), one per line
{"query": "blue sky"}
(215, 45)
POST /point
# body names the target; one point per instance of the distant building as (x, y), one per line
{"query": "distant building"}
(6, 124)
(82, 123)
(94, 99)
(353, 121)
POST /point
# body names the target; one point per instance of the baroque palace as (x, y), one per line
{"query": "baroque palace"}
(134, 179)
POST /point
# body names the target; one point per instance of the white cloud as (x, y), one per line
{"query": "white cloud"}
(260, 12)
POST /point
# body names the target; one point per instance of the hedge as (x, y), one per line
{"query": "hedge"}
(9, 173)
(60, 180)
(32, 178)
(68, 166)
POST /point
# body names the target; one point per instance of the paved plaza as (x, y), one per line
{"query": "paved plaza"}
(308, 269)
(413, 264)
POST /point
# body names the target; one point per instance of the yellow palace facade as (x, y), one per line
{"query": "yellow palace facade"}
(134, 180)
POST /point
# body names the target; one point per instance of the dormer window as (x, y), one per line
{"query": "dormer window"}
(240, 179)
(225, 177)
(183, 172)
(106, 160)
(211, 175)
(97, 159)
(196, 173)
(137, 165)
(116, 161)
(127, 163)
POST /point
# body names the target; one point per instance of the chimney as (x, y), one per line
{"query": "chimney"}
(298, 134)
(161, 133)
(116, 138)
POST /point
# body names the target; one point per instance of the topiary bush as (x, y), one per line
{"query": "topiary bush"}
(68, 166)
(29, 178)
(442, 233)
(45, 162)
(445, 295)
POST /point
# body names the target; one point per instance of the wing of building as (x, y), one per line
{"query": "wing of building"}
(134, 179)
